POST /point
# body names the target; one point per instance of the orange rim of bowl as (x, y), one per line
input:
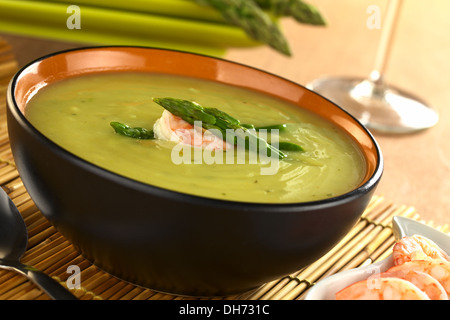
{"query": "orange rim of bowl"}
(90, 60)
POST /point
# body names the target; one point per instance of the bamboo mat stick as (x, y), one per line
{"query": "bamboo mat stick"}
(16, 192)
(96, 281)
(4, 276)
(34, 294)
(8, 177)
(293, 283)
(144, 295)
(13, 284)
(49, 257)
(6, 169)
(5, 153)
(17, 291)
(41, 233)
(31, 214)
(103, 289)
(120, 294)
(130, 295)
(21, 199)
(381, 252)
(164, 296)
(62, 260)
(45, 251)
(116, 291)
(383, 243)
(33, 218)
(7, 278)
(13, 185)
(4, 137)
(35, 233)
(5, 156)
(28, 289)
(365, 254)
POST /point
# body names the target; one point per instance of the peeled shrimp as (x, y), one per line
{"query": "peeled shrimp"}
(423, 281)
(421, 271)
(383, 289)
(417, 248)
(438, 269)
(173, 128)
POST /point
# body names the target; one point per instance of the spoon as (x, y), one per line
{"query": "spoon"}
(401, 227)
(13, 243)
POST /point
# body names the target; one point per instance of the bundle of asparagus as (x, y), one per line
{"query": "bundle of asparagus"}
(204, 26)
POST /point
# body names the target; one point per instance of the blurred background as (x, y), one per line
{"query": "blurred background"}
(417, 166)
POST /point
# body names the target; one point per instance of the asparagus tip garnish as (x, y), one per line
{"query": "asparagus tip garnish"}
(191, 111)
(136, 133)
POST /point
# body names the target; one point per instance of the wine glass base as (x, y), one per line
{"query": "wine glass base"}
(377, 106)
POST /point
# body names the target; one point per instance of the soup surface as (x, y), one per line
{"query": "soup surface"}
(76, 114)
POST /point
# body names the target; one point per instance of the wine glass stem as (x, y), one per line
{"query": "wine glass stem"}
(386, 40)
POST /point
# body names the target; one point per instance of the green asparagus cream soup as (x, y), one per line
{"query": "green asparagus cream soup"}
(77, 113)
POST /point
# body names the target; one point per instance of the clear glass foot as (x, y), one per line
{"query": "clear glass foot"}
(376, 105)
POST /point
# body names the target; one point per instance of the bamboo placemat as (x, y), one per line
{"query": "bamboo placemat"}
(370, 240)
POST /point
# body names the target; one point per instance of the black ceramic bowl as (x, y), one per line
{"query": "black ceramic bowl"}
(164, 240)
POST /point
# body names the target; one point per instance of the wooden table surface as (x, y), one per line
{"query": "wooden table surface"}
(417, 166)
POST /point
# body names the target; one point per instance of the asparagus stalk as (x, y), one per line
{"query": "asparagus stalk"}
(251, 18)
(298, 9)
(212, 118)
(170, 8)
(136, 133)
(282, 145)
(107, 26)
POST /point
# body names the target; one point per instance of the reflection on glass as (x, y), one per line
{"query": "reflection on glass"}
(377, 105)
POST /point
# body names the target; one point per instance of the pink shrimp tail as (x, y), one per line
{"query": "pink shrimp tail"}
(417, 248)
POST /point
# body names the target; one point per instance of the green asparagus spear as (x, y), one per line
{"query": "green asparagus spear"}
(222, 122)
(136, 133)
(248, 126)
(189, 111)
(298, 9)
(282, 145)
(252, 19)
(222, 115)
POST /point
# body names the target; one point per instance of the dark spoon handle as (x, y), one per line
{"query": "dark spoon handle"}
(55, 290)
